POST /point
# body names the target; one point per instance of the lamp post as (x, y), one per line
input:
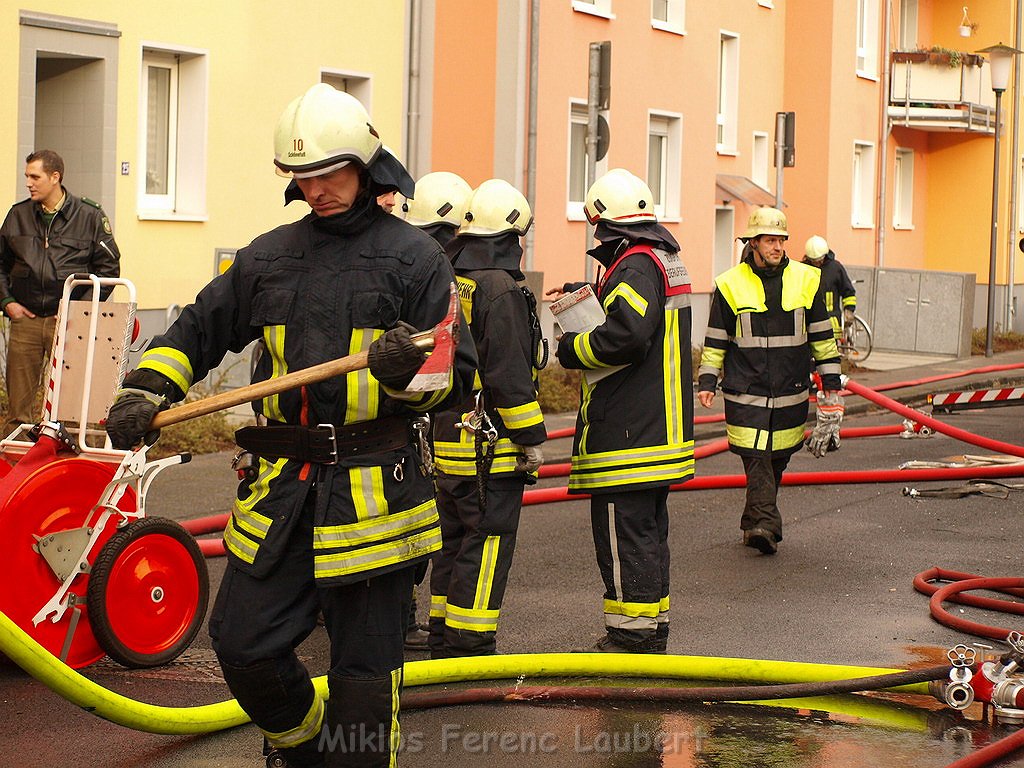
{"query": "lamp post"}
(1000, 58)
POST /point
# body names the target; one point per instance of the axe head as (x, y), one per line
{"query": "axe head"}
(436, 370)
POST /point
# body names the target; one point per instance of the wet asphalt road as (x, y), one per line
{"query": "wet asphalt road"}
(839, 591)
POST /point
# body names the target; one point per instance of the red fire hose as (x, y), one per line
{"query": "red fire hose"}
(964, 582)
(928, 421)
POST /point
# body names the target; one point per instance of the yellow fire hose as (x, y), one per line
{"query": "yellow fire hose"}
(207, 718)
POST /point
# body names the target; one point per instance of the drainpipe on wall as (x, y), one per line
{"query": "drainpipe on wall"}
(1013, 225)
(412, 122)
(883, 139)
(531, 131)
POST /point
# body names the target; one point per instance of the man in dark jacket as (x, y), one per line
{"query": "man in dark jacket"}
(488, 447)
(44, 239)
(340, 511)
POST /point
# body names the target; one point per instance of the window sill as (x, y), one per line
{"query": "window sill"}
(664, 26)
(867, 76)
(903, 227)
(171, 216)
(766, 4)
(590, 10)
(727, 151)
(862, 226)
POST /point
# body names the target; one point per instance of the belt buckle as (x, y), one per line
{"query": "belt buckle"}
(334, 443)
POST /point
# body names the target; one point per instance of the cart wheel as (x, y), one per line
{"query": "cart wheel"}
(55, 498)
(148, 593)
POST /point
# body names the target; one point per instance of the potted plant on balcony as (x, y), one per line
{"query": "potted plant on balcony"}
(937, 55)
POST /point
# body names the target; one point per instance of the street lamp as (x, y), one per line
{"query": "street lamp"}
(1000, 57)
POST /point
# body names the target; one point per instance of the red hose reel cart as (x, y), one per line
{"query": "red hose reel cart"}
(88, 573)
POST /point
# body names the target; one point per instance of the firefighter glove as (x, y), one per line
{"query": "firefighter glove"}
(130, 416)
(529, 458)
(825, 436)
(394, 359)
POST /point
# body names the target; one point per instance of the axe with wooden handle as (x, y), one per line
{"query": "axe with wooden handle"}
(432, 375)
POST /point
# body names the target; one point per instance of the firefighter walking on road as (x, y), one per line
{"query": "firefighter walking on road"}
(489, 448)
(767, 322)
(340, 510)
(634, 431)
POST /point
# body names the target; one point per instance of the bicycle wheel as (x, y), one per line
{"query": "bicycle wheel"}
(857, 344)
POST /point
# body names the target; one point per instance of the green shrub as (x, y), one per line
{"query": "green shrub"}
(559, 389)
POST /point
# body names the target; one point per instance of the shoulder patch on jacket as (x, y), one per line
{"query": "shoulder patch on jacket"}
(93, 203)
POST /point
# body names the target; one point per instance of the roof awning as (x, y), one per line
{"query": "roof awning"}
(743, 189)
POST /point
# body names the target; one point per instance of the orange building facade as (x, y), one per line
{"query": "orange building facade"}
(893, 153)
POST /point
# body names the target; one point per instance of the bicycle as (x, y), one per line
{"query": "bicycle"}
(855, 339)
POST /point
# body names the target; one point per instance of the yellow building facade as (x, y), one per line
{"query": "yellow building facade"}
(165, 114)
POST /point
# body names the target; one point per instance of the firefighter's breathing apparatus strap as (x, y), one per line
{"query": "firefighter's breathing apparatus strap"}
(992, 488)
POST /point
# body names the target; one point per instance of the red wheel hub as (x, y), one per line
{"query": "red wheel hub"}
(154, 590)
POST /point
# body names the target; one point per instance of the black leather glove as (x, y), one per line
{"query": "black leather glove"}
(130, 416)
(141, 397)
(394, 358)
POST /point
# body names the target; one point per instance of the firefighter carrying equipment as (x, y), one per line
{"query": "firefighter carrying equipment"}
(635, 426)
(766, 221)
(761, 325)
(619, 197)
(825, 435)
(441, 198)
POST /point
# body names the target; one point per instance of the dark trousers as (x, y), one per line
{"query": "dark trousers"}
(470, 573)
(631, 542)
(256, 625)
(764, 475)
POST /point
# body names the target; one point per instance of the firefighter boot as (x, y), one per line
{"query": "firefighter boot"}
(359, 719)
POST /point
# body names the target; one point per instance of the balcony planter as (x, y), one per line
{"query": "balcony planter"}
(937, 56)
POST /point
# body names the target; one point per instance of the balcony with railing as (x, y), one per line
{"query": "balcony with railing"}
(941, 91)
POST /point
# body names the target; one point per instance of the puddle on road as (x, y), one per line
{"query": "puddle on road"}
(827, 732)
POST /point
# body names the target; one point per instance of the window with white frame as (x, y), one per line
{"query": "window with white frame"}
(862, 199)
(867, 38)
(595, 7)
(760, 159)
(664, 152)
(172, 131)
(728, 92)
(356, 84)
(903, 189)
(578, 181)
(908, 25)
(669, 15)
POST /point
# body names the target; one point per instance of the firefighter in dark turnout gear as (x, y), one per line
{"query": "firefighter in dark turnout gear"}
(767, 323)
(438, 209)
(634, 431)
(490, 447)
(836, 286)
(340, 510)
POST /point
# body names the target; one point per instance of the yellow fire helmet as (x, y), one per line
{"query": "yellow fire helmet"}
(766, 221)
(441, 198)
(621, 198)
(321, 131)
(815, 248)
(496, 207)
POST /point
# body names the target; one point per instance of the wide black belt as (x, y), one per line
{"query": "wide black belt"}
(325, 443)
